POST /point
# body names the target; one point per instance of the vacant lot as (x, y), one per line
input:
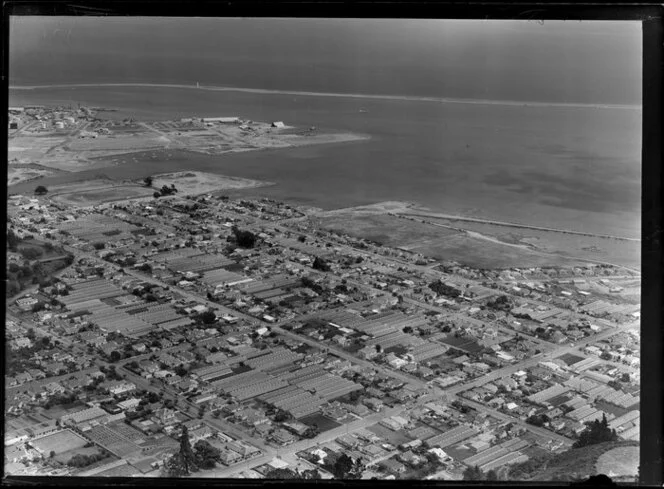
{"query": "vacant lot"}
(60, 442)
(394, 437)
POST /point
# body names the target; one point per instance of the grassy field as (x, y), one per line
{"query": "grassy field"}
(60, 442)
(441, 242)
(619, 461)
(65, 457)
(625, 253)
(384, 229)
(481, 253)
(94, 197)
(573, 464)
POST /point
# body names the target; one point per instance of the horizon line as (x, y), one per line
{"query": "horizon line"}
(413, 98)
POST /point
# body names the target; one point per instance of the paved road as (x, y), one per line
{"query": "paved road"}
(495, 374)
(451, 392)
(290, 450)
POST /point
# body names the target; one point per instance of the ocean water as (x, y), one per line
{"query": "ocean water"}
(558, 166)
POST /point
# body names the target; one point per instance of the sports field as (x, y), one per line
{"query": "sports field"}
(59, 442)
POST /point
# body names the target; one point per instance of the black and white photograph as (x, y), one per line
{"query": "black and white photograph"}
(323, 248)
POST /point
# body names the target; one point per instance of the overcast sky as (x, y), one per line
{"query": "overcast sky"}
(554, 61)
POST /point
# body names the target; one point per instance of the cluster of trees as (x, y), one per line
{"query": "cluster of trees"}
(596, 432)
(282, 416)
(110, 372)
(60, 400)
(307, 282)
(538, 419)
(82, 460)
(188, 459)
(345, 468)
(243, 238)
(206, 317)
(12, 240)
(41, 190)
(476, 474)
(501, 303)
(21, 276)
(164, 190)
(290, 474)
(320, 264)
(441, 289)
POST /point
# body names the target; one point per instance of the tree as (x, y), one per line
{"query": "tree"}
(283, 473)
(312, 432)
(244, 239)
(156, 195)
(12, 240)
(99, 246)
(115, 356)
(345, 468)
(302, 238)
(41, 190)
(147, 181)
(320, 264)
(184, 461)
(281, 416)
(52, 454)
(207, 317)
(596, 432)
(473, 474)
(175, 466)
(207, 456)
(31, 253)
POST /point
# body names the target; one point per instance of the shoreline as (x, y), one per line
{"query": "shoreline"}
(410, 98)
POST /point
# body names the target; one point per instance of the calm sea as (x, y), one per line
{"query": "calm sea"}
(565, 167)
